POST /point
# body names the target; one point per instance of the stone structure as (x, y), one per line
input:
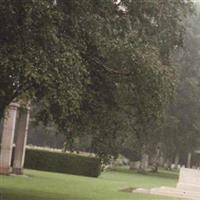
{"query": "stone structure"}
(189, 179)
(15, 125)
(188, 186)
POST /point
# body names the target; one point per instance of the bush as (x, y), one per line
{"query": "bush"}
(62, 162)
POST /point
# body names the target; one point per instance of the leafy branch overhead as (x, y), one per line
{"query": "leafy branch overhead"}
(80, 59)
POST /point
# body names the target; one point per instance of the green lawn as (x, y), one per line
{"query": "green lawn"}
(39, 185)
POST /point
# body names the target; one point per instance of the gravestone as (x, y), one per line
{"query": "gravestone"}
(189, 179)
(188, 186)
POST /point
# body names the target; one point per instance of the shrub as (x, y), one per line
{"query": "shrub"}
(62, 162)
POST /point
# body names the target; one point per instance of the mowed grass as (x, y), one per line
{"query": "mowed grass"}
(37, 185)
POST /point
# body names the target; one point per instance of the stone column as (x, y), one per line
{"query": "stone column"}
(21, 138)
(7, 139)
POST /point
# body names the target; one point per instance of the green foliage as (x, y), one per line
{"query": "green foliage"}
(62, 162)
(37, 61)
(181, 126)
(93, 66)
(128, 56)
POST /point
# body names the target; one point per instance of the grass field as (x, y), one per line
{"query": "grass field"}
(37, 185)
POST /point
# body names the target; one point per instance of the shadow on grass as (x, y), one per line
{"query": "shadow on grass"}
(18, 194)
(129, 189)
(160, 174)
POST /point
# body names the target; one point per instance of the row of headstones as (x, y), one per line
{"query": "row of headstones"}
(15, 125)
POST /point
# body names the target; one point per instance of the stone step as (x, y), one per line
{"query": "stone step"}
(191, 187)
(177, 193)
(181, 190)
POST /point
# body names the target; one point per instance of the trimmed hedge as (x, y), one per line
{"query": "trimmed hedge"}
(62, 162)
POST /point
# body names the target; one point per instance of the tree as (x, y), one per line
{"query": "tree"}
(37, 61)
(130, 71)
(181, 132)
(77, 57)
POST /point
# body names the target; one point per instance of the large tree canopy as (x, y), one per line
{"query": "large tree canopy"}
(36, 60)
(90, 61)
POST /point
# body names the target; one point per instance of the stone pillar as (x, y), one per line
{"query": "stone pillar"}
(21, 138)
(7, 139)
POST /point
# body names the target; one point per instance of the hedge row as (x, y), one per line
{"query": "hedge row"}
(62, 162)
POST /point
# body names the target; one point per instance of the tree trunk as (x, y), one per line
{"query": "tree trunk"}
(189, 158)
(144, 160)
(168, 164)
(176, 160)
(155, 164)
(161, 160)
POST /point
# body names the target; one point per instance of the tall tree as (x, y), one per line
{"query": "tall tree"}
(127, 52)
(78, 57)
(183, 116)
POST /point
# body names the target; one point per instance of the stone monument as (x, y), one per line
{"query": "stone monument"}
(188, 186)
(15, 124)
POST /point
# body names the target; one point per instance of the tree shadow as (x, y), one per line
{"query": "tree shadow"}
(19, 194)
